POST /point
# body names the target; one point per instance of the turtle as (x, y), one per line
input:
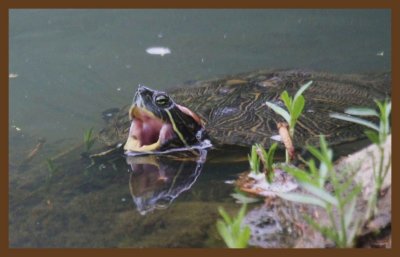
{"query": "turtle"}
(231, 111)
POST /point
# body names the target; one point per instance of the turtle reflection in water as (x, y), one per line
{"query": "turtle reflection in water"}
(156, 180)
(232, 111)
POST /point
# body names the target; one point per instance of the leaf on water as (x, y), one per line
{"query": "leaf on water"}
(282, 112)
(354, 120)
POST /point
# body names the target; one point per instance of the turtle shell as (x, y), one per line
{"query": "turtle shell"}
(234, 112)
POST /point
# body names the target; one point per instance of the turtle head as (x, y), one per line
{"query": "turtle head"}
(158, 123)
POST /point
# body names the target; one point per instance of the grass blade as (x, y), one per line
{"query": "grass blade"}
(302, 198)
(325, 196)
(354, 120)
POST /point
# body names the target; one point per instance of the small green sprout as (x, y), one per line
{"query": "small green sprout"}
(52, 170)
(88, 139)
(343, 229)
(254, 161)
(260, 155)
(232, 231)
(294, 106)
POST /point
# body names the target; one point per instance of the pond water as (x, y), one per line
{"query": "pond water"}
(67, 66)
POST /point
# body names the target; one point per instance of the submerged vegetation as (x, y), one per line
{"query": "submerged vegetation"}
(88, 139)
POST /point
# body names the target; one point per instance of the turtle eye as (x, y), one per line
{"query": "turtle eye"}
(162, 100)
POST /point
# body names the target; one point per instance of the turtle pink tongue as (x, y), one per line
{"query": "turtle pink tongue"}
(147, 130)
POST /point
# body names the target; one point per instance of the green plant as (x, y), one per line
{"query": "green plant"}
(88, 139)
(294, 108)
(343, 228)
(254, 161)
(377, 135)
(260, 155)
(232, 231)
(51, 168)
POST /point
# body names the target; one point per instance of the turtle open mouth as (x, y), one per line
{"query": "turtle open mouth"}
(147, 132)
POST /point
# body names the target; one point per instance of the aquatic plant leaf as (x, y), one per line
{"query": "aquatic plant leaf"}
(287, 100)
(242, 212)
(350, 213)
(299, 174)
(360, 111)
(313, 171)
(372, 136)
(298, 106)
(282, 112)
(354, 120)
(327, 232)
(324, 146)
(225, 234)
(271, 154)
(241, 198)
(302, 89)
(244, 238)
(388, 109)
(353, 194)
(352, 233)
(317, 154)
(254, 160)
(321, 193)
(302, 198)
(224, 215)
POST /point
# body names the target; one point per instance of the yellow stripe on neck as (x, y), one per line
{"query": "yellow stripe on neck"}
(176, 129)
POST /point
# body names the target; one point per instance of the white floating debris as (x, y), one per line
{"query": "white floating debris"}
(160, 35)
(118, 89)
(229, 182)
(277, 138)
(158, 50)
(12, 75)
(380, 53)
(16, 128)
(225, 35)
(123, 199)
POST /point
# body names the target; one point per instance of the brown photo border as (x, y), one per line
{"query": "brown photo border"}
(6, 5)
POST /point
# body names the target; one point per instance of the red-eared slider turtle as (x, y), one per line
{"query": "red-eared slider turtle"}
(232, 110)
